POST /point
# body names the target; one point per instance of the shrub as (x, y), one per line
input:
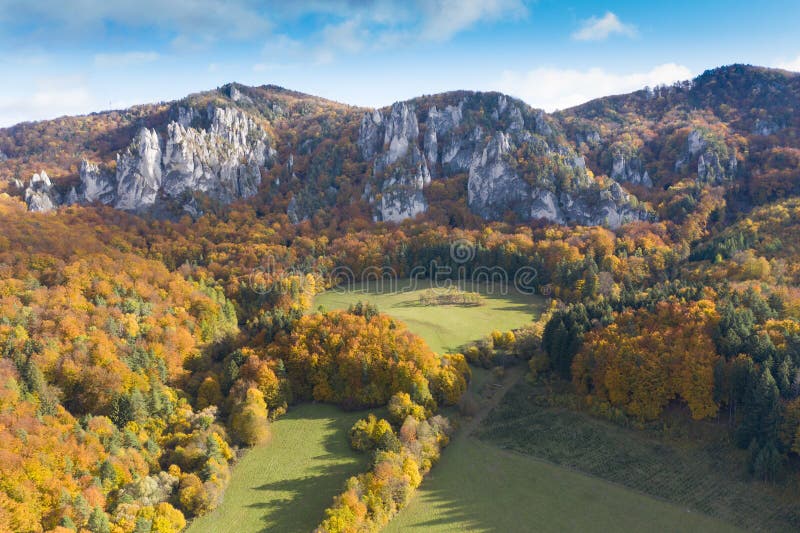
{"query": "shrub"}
(249, 419)
(368, 433)
(401, 406)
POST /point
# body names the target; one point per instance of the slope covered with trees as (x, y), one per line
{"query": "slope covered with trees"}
(141, 353)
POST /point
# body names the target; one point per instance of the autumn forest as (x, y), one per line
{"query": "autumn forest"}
(144, 351)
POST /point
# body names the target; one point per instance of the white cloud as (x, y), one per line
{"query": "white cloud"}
(600, 29)
(82, 19)
(49, 99)
(792, 64)
(385, 24)
(553, 88)
(125, 59)
(442, 19)
(350, 36)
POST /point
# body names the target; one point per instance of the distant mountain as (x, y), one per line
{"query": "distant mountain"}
(460, 154)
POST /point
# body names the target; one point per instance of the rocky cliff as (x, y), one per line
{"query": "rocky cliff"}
(713, 160)
(40, 195)
(516, 160)
(222, 160)
(477, 154)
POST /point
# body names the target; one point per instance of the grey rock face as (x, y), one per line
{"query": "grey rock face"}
(440, 124)
(399, 204)
(224, 161)
(402, 130)
(139, 172)
(716, 162)
(544, 204)
(187, 116)
(711, 169)
(630, 170)
(541, 126)
(405, 161)
(611, 207)
(493, 187)
(765, 127)
(370, 134)
(591, 138)
(293, 212)
(460, 150)
(400, 170)
(40, 195)
(401, 195)
(3, 157)
(695, 142)
(237, 95)
(96, 184)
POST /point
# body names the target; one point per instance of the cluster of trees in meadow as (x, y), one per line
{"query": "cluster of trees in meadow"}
(361, 360)
(450, 296)
(402, 453)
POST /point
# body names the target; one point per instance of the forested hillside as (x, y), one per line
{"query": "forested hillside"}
(144, 347)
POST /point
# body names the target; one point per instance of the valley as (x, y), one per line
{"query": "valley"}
(182, 343)
(285, 484)
(528, 491)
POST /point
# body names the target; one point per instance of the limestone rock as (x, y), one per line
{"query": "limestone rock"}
(493, 187)
(401, 132)
(716, 162)
(97, 185)
(629, 169)
(765, 127)
(370, 134)
(223, 161)
(40, 196)
(139, 172)
(481, 135)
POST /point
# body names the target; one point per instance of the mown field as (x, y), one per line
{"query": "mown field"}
(444, 327)
(479, 487)
(692, 465)
(286, 484)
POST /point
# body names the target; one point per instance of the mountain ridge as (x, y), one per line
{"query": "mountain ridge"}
(586, 164)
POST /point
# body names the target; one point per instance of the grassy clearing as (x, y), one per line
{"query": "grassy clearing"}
(479, 487)
(692, 466)
(286, 484)
(444, 327)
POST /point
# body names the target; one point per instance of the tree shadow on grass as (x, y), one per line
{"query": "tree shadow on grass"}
(455, 496)
(304, 509)
(312, 491)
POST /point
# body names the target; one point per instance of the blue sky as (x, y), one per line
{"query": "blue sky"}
(75, 56)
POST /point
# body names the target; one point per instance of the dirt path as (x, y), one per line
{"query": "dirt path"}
(511, 377)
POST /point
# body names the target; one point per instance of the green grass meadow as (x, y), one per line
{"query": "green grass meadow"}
(286, 484)
(691, 464)
(444, 327)
(527, 467)
(482, 488)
